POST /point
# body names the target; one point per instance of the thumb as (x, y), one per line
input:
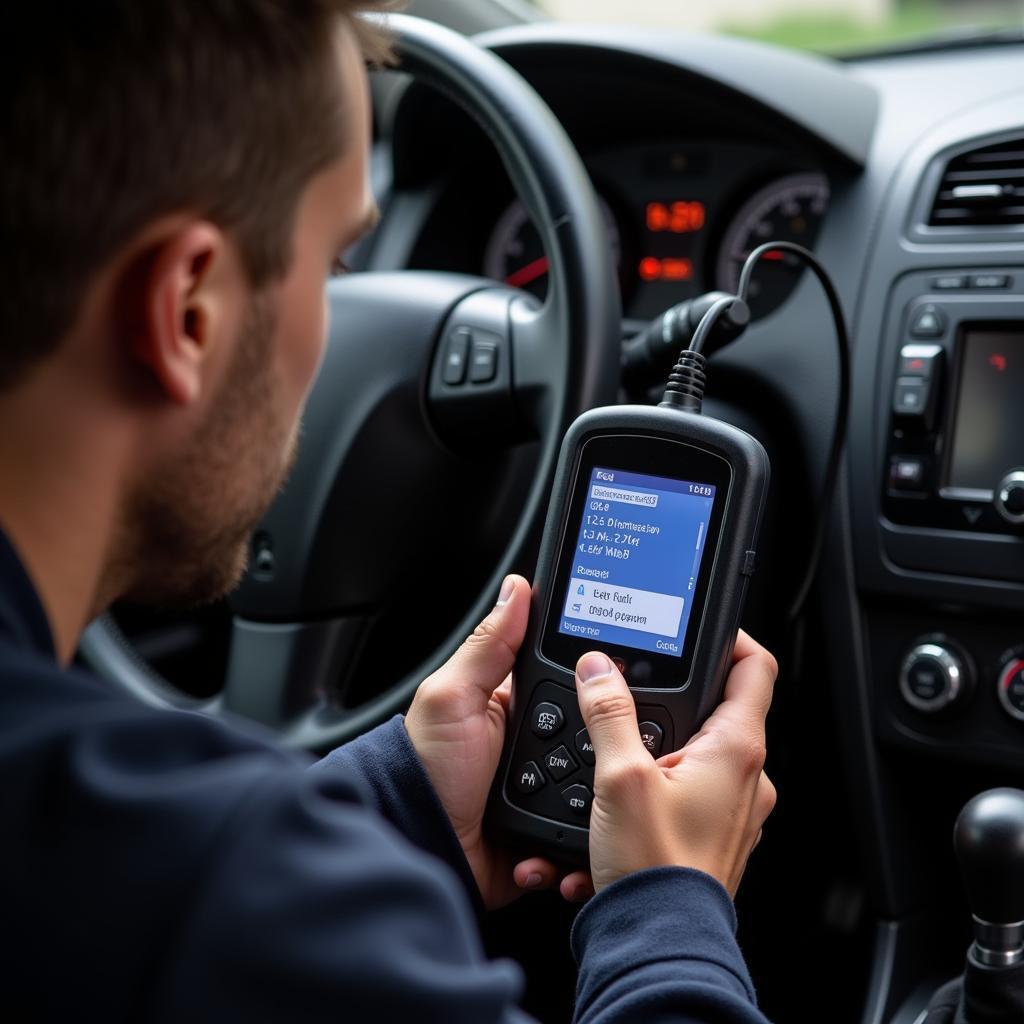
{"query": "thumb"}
(608, 712)
(486, 656)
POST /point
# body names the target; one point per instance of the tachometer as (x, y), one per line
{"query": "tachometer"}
(515, 255)
(790, 209)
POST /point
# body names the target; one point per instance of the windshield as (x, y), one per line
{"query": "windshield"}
(826, 26)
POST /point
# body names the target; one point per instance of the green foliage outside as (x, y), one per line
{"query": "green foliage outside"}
(833, 33)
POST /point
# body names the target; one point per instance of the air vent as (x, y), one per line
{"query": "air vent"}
(982, 188)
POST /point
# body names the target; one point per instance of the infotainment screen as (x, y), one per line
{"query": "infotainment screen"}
(988, 434)
(637, 560)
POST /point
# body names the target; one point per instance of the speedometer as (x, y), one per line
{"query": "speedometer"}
(515, 255)
(790, 209)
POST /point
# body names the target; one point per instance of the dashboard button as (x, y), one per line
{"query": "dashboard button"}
(906, 473)
(990, 281)
(949, 282)
(577, 798)
(910, 397)
(933, 676)
(1011, 685)
(546, 719)
(919, 361)
(559, 763)
(528, 778)
(584, 747)
(1011, 689)
(1009, 497)
(927, 322)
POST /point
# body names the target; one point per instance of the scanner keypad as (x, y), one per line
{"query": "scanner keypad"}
(553, 746)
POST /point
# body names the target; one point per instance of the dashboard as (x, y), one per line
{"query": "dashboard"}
(682, 216)
(905, 174)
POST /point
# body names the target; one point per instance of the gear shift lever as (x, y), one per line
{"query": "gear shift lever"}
(989, 842)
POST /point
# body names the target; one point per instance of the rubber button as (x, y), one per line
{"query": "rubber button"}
(546, 719)
(584, 747)
(528, 778)
(577, 798)
(559, 763)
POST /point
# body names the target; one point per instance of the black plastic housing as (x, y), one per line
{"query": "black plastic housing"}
(546, 825)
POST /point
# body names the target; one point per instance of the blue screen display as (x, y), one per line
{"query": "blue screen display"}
(637, 559)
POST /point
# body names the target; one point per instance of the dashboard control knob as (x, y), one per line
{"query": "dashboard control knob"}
(1010, 686)
(934, 676)
(1009, 497)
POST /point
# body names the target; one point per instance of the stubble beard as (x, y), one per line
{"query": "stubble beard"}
(191, 519)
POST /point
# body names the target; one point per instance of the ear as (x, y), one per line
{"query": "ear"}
(178, 308)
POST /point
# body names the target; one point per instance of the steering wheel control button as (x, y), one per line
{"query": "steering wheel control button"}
(560, 763)
(906, 473)
(653, 736)
(483, 363)
(1010, 687)
(528, 778)
(919, 361)
(927, 322)
(546, 719)
(1009, 497)
(456, 356)
(577, 798)
(584, 747)
(933, 677)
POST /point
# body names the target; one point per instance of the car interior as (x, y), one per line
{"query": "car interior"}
(548, 189)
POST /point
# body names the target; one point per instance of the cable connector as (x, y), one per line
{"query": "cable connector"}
(649, 355)
(686, 383)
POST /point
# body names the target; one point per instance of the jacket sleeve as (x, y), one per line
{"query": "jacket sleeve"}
(312, 909)
(659, 946)
(396, 784)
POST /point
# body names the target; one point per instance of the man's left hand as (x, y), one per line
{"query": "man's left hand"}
(457, 725)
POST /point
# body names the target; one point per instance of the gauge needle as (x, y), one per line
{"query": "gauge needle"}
(524, 275)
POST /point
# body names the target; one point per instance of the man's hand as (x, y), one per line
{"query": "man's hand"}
(457, 725)
(700, 807)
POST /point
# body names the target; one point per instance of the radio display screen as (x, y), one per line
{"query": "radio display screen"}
(637, 558)
(988, 437)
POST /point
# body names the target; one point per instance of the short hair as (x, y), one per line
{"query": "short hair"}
(117, 112)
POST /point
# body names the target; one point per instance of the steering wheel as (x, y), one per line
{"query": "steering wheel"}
(428, 379)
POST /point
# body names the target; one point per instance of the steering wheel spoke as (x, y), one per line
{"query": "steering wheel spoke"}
(278, 672)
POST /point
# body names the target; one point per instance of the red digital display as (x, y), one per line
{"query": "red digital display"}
(668, 268)
(680, 218)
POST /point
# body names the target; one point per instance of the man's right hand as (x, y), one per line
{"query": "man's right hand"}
(700, 807)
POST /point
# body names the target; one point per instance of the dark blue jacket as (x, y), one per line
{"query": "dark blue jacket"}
(166, 866)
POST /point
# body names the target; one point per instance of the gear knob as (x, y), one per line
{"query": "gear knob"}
(989, 842)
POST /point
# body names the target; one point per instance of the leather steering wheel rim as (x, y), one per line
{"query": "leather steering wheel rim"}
(565, 359)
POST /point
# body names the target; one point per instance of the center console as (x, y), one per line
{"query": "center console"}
(950, 417)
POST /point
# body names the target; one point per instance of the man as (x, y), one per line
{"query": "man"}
(178, 179)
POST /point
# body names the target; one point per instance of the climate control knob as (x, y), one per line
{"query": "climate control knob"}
(934, 676)
(1009, 497)
(1010, 686)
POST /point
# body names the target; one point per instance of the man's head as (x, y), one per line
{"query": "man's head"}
(177, 179)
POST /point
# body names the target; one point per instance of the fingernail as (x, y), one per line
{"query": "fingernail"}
(593, 666)
(506, 590)
(533, 881)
